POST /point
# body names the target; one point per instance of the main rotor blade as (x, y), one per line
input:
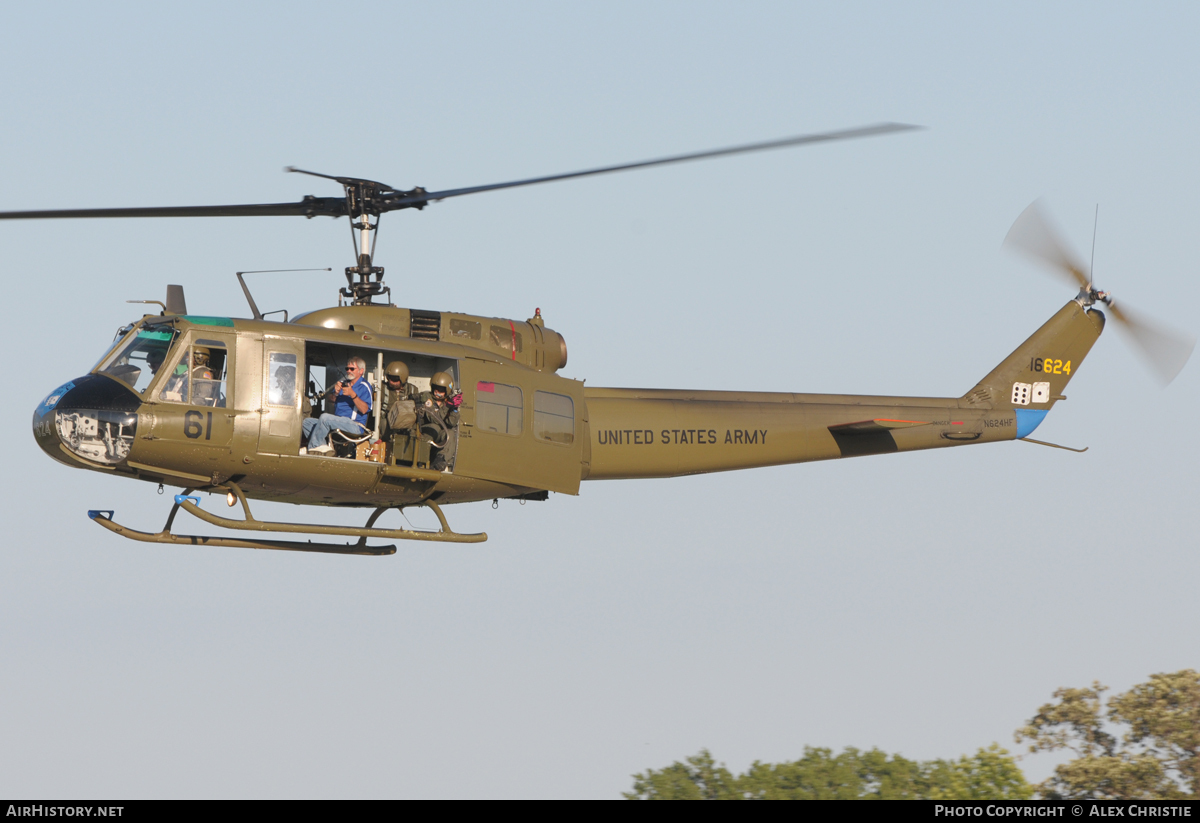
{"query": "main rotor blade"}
(1034, 234)
(345, 181)
(804, 139)
(308, 207)
(392, 200)
(1166, 351)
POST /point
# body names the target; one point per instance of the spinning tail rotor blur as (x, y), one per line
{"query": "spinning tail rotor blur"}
(1164, 350)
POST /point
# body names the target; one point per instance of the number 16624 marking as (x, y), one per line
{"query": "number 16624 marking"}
(1049, 365)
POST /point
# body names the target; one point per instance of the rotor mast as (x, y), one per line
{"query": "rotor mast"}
(366, 200)
(362, 291)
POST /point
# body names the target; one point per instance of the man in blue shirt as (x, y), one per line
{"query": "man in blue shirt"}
(349, 412)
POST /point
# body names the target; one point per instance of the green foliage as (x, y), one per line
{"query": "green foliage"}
(699, 778)
(821, 775)
(991, 774)
(852, 775)
(1157, 757)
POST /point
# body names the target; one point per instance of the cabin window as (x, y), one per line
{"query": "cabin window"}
(281, 372)
(499, 408)
(553, 417)
(198, 377)
(469, 329)
(505, 339)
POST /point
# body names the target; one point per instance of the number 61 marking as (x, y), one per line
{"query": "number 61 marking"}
(192, 428)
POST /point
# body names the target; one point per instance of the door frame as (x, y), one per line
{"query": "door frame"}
(519, 460)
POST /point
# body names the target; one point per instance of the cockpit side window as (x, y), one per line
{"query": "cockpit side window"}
(208, 373)
(175, 390)
(137, 362)
(199, 375)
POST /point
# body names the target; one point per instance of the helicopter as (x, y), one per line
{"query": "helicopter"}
(218, 404)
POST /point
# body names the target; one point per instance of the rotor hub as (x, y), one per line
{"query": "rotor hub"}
(1089, 295)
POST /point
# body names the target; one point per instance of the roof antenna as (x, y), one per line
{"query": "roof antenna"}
(246, 289)
(1092, 264)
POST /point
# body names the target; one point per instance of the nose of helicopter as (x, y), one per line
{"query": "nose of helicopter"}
(92, 418)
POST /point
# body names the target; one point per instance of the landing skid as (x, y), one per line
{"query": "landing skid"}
(189, 504)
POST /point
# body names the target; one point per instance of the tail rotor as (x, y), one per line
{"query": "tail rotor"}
(1163, 349)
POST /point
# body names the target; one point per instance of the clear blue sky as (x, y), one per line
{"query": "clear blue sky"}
(925, 603)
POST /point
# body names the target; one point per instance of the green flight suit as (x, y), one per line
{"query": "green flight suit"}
(440, 458)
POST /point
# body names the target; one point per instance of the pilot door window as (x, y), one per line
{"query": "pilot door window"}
(281, 373)
(198, 377)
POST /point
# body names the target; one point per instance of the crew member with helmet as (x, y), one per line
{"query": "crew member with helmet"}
(400, 400)
(354, 400)
(438, 409)
(204, 388)
(155, 358)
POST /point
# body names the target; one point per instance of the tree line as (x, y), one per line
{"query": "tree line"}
(1141, 744)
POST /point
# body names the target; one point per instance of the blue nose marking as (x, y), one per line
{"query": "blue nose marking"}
(52, 399)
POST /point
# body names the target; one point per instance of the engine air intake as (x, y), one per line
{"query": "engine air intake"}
(425, 325)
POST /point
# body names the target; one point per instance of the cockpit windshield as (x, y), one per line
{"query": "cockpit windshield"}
(139, 359)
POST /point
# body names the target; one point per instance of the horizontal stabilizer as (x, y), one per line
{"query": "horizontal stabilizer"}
(879, 424)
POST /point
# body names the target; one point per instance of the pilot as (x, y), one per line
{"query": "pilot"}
(354, 400)
(155, 358)
(437, 406)
(204, 388)
(400, 400)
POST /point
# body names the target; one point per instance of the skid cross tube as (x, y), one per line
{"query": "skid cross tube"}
(446, 535)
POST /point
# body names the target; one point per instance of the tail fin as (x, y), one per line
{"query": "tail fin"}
(1033, 378)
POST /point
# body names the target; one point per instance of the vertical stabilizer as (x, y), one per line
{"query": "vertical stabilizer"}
(1033, 378)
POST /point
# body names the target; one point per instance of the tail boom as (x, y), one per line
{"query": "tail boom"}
(655, 433)
(638, 433)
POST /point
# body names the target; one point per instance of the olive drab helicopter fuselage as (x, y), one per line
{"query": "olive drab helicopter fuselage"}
(234, 423)
(130, 417)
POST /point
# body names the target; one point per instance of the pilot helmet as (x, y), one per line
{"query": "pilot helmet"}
(442, 380)
(200, 355)
(398, 369)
